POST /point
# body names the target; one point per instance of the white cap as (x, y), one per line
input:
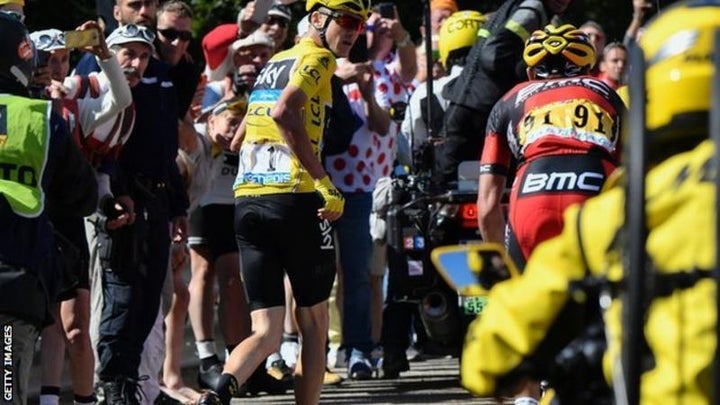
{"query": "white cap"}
(257, 37)
(48, 40)
(131, 33)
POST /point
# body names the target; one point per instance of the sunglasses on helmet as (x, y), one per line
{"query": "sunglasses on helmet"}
(172, 34)
(346, 21)
(136, 31)
(47, 41)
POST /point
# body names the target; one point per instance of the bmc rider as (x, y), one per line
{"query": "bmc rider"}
(285, 200)
(561, 128)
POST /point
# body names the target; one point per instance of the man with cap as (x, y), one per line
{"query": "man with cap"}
(132, 261)
(42, 166)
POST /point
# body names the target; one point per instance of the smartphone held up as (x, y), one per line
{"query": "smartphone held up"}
(82, 38)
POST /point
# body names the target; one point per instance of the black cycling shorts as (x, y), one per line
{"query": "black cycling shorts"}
(280, 234)
(212, 226)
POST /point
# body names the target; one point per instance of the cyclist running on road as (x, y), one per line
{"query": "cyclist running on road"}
(561, 127)
(285, 200)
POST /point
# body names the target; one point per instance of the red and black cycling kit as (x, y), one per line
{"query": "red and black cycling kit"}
(564, 135)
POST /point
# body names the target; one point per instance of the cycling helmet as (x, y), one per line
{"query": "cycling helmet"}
(459, 31)
(678, 46)
(360, 8)
(18, 54)
(563, 50)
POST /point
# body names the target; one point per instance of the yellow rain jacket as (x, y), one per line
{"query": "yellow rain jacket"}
(680, 325)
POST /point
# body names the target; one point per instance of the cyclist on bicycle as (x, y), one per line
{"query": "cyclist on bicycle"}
(561, 128)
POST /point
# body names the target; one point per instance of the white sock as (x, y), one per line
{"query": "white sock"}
(49, 399)
(205, 349)
(525, 401)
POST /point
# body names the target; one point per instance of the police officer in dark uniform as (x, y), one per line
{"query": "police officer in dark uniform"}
(40, 166)
(134, 258)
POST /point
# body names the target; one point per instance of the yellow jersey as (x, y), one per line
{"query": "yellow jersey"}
(680, 322)
(266, 163)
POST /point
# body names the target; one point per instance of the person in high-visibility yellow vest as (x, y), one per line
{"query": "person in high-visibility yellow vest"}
(528, 320)
(40, 169)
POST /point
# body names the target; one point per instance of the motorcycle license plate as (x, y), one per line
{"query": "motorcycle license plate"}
(473, 305)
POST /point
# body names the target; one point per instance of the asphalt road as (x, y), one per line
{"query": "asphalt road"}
(432, 381)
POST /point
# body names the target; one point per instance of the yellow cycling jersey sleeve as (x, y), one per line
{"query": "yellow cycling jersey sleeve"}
(266, 163)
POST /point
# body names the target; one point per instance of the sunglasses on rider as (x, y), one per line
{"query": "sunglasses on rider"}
(281, 22)
(347, 22)
(172, 34)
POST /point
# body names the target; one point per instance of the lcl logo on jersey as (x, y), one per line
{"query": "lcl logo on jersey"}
(585, 182)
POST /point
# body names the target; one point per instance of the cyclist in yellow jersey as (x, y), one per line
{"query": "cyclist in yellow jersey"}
(285, 200)
(530, 318)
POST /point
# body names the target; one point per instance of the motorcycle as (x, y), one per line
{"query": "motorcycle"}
(417, 222)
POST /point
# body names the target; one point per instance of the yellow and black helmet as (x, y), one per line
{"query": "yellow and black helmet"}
(563, 50)
(360, 8)
(678, 47)
(459, 31)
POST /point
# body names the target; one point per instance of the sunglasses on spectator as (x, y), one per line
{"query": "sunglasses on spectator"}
(46, 41)
(171, 34)
(136, 31)
(14, 15)
(347, 22)
(281, 22)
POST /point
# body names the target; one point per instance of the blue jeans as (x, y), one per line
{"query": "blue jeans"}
(353, 235)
